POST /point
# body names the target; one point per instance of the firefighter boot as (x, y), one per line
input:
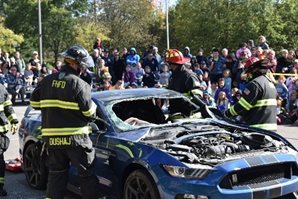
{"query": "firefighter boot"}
(3, 192)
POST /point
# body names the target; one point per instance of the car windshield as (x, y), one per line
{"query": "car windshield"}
(131, 114)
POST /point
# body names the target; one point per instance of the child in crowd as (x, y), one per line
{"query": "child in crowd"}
(128, 77)
(236, 95)
(221, 87)
(213, 89)
(164, 75)
(149, 78)
(282, 89)
(204, 67)
(197, 70)
(139, 73)
(283, 116)
(292, 82)
(203, 86)
(208, 99)
(28, 75)
(227, 79)
(107, 81)
(222, 102)
(293, 103)
(118, 85)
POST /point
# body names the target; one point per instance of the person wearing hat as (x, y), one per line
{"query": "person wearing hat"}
(66, 106)
(257, 105)
(35, 65)
(182, 80)
(186, 52)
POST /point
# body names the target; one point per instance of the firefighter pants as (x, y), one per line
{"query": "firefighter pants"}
(2, 170)
(59, 160)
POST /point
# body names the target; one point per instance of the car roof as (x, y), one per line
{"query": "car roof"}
(112, 95)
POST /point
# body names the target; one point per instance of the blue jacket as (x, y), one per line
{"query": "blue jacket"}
(218, 66)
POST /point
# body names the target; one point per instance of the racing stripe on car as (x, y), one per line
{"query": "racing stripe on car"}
(254, 161)
(260, 194)
(269, 159)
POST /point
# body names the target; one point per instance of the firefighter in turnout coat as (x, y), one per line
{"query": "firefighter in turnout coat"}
(67, 108)
(257, 105)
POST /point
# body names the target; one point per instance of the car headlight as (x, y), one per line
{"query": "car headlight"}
(183, 172)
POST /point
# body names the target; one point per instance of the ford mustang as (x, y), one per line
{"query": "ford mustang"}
(157, 143)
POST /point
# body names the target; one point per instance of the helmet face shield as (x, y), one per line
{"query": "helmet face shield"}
(87, 62)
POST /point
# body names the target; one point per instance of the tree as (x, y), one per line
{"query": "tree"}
(58, 33)
(221, 23)
(288, 12)
(8, 39)
(86, 31)
(128, 22)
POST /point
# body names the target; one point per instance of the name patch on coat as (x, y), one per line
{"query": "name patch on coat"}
(59, 141)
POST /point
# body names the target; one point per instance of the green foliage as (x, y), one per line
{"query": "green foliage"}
(8, 39)
(129, 22)
(222, 23)
(126, 23)
(86, 32)
(58, 33)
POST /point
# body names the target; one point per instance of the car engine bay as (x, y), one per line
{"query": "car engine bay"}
(208, 144)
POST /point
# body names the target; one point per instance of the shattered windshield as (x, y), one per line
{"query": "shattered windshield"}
(131, 114)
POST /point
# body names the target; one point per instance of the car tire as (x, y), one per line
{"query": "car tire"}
(34, 167)
(139, 185)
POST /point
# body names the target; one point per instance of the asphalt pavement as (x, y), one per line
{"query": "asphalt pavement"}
(15, 183)
(17, 187)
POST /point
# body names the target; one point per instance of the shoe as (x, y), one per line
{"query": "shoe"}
(3, 192)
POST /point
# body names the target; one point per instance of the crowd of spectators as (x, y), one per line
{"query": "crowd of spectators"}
(219, 72)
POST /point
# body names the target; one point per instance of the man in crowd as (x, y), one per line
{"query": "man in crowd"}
(15, 84)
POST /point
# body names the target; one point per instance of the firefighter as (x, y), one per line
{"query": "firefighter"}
(67, 108)
(257, 105)
(182, 80)
(7, 115)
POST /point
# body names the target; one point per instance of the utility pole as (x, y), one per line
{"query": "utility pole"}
(40, 31)
(94, 10)
(167, 24)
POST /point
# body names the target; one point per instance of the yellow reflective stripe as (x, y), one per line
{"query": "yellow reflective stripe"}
(232, 111)
(245, 104)
(266, 126)
(35, 104)
(7, 103)
(12, 117)
(197, 92)
(1, 180)
(65, 131)
(91, 111)
(266, 102)
(187, 94)
(59, 104)
(1, 107)
(126, 149)
(4, 128)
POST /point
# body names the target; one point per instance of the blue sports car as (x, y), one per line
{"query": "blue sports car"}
(157, 143)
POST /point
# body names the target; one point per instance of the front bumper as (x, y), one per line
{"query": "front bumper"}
(172, 187)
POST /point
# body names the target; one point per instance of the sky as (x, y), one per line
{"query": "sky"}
(162, 2)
